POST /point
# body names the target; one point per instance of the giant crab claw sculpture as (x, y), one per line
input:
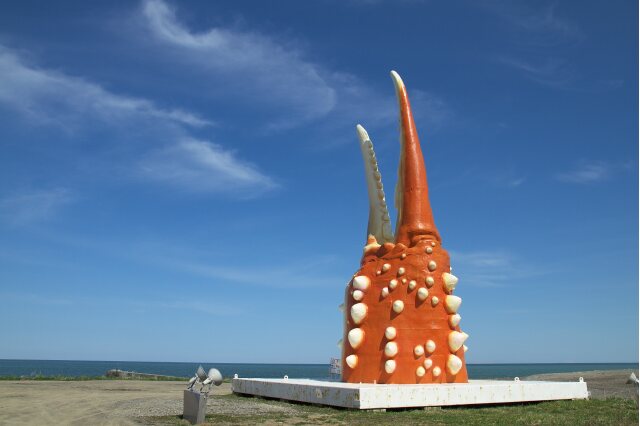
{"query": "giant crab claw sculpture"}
(402, 322)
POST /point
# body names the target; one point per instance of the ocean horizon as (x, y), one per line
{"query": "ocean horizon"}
(77, 368)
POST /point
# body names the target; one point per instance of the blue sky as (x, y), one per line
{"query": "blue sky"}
(181, 181)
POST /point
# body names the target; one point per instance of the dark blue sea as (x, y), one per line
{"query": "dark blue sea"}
(14, 367)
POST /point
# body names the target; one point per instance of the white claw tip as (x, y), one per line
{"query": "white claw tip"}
(436, 371)
(420, 371)
(398, 306)
(362, 133)
(397, 80)
(418, 350)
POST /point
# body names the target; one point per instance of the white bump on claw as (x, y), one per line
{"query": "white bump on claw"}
(404, 281)
(420, 371)
(454, 364)
(450, 282)
(361, 282)
(356, 337)
(430, 281)
(427, 363)
(398, 306)
(386, 267)
(339, 344)
(358, 312)
(384, 292)
(430, 346)
(390, 333)
(433, 243)
(393, 284)
(432, 265)
(452, 303)
(357, 295)
(390, 366)
(436, 371)
(423, 293)
(391, 349)
(401, 271)
(456, 339)
(403, 255)
(412, 284)
(465, 348)
(418, 350)
(454, 320)
(352, 361)
(429, 250)
(434, 301)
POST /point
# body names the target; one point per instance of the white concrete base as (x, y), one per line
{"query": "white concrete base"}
(371, 396)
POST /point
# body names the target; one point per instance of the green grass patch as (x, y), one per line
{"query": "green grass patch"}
(613, 411)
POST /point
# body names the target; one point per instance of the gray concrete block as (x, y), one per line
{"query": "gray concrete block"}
(195, 407)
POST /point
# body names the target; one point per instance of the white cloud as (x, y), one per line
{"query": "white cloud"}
(586, 173)
(34, 206)
(490, 268)
(275, 76)
(538, 26)
(252, 64)
(53, 97)
(550, 72)
(204, 167)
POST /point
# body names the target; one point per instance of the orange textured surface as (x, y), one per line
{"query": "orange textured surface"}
(407, 286)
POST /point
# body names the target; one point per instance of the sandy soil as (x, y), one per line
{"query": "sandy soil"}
(127, 402)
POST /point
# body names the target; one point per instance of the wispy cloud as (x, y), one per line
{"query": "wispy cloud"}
(550, 72)
(202, 166)
(276, 75)
(490, 268)
(585, 173)
(207, 307)
(537, 25)
(34, 205)
(309, 272)
(52, 97)
(254, 66)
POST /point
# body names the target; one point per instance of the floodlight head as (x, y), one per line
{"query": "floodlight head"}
(215, 377)
(201, 374)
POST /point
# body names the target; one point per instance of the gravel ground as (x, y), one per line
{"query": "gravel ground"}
(130, 402)
(601, 384)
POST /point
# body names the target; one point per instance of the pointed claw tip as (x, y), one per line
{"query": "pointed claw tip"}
(362, 133)
(397, 80)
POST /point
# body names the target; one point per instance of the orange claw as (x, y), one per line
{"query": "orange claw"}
(402, 325)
